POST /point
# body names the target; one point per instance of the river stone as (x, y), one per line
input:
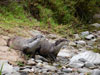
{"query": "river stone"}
(82, 60)
(7, 68)
(88, 55)
(31, 62)
(76, 64)
(80, 43)
(83, 70)
(72, 43)
(64, 53)
(83, 34)
(51, 68)
(67, 70)
(89, 65)
(39, 61)
(89, 37)
(77, 37)
(2, 42)
(10, 54)
(95, 72)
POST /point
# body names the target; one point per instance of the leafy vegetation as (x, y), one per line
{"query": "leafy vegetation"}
(60, 16)
(19, 63)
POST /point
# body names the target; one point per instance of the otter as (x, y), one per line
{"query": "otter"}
(50, 50)
(37, 45)
(25, 45)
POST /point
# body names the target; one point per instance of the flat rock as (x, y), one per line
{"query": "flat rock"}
(2, 42)
(83, 70)
(72, 43)
(9, 54)
(89, 65)
(51, 68)
(76, 64)
(88, 55)
(64, 53)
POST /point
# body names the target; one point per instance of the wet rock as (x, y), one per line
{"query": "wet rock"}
(6, 68)
(2, 42)
(67, 70)
(89, 65)
(95, 72)
(96, 25)
(83, 34)
(87, 55)
(31, 62)
(89, 37)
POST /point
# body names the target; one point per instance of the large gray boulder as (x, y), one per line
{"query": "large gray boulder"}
(89, 56)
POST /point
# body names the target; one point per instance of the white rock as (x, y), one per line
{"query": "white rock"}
(7, 69)
(89, 37)
(96, 25)
(76, 64)
(31, 62)
(83, 34)
(80, 43)
(88, 55)
(72, 43)
(64, 53)
(77, 36)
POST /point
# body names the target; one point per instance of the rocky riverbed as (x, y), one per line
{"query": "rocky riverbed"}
(77, 58)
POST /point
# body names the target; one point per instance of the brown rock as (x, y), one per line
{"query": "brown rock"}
(2, 42)
(9, 54)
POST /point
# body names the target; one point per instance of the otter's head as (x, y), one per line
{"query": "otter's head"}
(61, 41)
